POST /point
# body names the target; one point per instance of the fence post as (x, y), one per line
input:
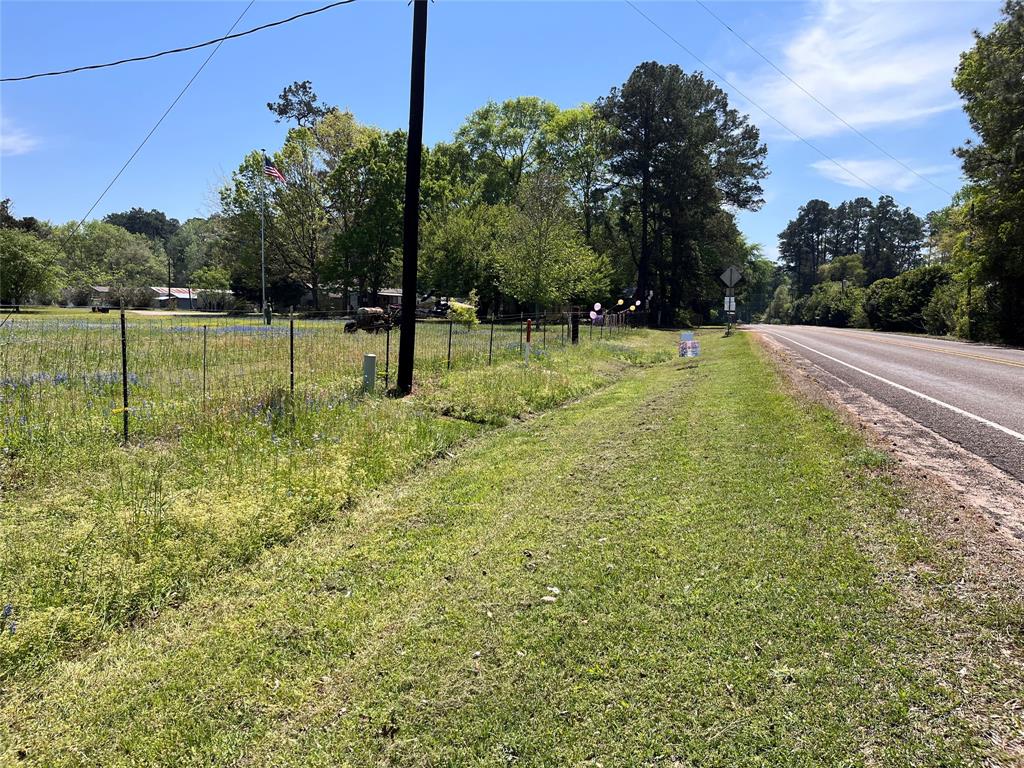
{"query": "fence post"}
(124, 377)
(520, 331)
(490, 344)
(450, 323)
(387, 357)
(204, 367)
(291, 350)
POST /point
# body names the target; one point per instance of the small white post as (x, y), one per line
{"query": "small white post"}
(369, 373)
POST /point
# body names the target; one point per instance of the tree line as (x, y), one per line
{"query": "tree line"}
(960, 270)
(527, 206)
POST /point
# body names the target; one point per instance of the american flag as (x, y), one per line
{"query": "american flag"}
(269, 169)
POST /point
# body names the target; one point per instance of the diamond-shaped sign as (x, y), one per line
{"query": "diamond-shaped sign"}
(731, 276)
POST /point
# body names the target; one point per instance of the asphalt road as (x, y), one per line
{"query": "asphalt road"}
(972, 394)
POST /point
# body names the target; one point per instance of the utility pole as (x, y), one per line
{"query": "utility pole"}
(413, 157)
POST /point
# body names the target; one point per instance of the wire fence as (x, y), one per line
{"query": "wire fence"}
(137, 375)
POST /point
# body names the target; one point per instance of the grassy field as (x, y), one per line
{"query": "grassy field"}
(60, 370)
(683, 568)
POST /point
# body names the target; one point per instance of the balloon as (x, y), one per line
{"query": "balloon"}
(631, 308)
(597, 306)
(621, 302)
(593, 315)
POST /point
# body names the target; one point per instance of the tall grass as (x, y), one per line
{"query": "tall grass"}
(95, 536)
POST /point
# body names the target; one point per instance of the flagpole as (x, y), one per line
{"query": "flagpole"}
(263, 257)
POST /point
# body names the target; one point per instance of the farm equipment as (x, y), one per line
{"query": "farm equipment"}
(371, 320)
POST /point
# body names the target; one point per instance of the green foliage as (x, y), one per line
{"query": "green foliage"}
(463, 314)
(832, 305)
(153, 224)
(99, 253)
(542, 259)
(457, 253)
(28, 267)
(884, 239)
(504, 140)
(780, 309)
(988, 80)
(898, 304)
(368, 184)
(680, 154)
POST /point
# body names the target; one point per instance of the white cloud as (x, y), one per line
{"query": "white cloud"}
(883, 174)
(873, 63)
(14, 141)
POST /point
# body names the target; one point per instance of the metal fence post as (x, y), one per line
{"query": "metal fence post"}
(544, 331)
(124, 378)
(520, 331)
(450, 324)
(387, 357)
(490, 344)
(291, 351)
(204, 367)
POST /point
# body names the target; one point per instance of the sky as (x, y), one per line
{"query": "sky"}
(883, 66)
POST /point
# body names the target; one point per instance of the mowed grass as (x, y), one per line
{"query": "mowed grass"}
(95, 537)
(683, 568)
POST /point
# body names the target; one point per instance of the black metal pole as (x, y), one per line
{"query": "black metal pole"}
(490, 344)
(387, 358)
(520, 331)
(124, 378)
(450, 323)
(413, 158)
(204, 367)
(291, 351)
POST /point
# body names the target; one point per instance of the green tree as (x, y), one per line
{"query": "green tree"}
(542, 259)
(575, 142)
(28, 267)
(368, 183)
(504, 139)
(844, 268)
(803, 244)
(680, 153)
(989, 81)
(153, 224)
(99, 253)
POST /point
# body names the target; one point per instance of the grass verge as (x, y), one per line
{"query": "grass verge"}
(685, 568)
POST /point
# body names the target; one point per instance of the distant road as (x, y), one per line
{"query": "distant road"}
(971, 394)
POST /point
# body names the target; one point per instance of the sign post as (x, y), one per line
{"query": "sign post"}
(730, 277)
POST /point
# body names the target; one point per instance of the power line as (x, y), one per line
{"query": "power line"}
(819, 102)
(216, 41)
(725, 80)
(153, 129)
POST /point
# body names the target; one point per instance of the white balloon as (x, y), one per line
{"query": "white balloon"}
(598, 306)
(593, 315)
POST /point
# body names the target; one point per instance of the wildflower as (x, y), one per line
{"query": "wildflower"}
(7, 611)
(13, 628)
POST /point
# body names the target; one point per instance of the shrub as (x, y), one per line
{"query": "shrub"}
(898, 303)
(463, 314)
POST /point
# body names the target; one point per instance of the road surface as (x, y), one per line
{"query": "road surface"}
(971, 394)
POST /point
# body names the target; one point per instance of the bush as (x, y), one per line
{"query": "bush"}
(898, 303)
(830, 305)
(463, 314)
(940, 314)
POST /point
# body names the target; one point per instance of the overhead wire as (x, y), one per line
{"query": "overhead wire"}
(819, 102)
(216, 41)
(743, 95)
(155, 126)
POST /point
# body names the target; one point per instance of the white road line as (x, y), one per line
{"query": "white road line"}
(908, 390)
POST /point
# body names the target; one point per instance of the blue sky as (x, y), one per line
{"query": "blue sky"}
(883, 66)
